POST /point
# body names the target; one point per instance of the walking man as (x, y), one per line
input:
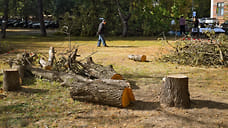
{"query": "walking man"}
(100, 33)
(182, 25)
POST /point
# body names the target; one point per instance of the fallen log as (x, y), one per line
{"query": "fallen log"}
(104, 91)
(99, 71)
(114, 93)
(141, 58)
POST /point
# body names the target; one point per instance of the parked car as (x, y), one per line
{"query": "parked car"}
(19, 23)
(36, 24)
(47, 23)
(225, 26)
(208, 21)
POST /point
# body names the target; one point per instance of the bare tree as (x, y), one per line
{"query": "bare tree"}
(41, 18)
(5, 18)
(124, 19)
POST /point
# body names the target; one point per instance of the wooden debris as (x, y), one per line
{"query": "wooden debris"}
(199, 53)
(104, 91)
(88, 81)
(141, 58)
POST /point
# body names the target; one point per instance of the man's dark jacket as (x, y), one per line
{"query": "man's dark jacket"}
(100, 28)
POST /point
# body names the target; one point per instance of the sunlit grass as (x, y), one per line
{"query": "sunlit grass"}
(42, 103)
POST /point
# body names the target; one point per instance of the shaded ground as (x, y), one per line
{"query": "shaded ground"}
(47, 104)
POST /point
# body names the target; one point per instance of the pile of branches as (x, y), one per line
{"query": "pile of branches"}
(198, 52)
(87, 81)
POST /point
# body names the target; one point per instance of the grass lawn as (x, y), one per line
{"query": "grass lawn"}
(43, 103)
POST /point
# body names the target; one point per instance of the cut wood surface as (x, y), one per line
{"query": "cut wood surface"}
(100, 71)
(141, 58)
(174, 92)
(11, 80)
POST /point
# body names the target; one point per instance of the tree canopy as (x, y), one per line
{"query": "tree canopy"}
(127, 18)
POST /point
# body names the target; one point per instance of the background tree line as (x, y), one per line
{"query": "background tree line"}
(124, 17)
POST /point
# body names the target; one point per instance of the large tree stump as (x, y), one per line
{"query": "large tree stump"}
(11, 80)
(174, 92)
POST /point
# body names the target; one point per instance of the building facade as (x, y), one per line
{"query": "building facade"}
(219, 10)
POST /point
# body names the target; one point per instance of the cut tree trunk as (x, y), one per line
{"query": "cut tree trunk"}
(99, 71)
(11, 80)
(141, 58)
(104, 91)
(174, 92)
(109, 92)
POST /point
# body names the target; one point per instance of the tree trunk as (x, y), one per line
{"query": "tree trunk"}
(112, 93)
(124, 19)
(11, 80)
(125, 28)
(141, 58)
(99, 71)
(104, 91)
(174, 92)
(41, 18)
(5, 18)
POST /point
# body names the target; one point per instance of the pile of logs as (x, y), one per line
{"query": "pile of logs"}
(87, 81)
(199, 53)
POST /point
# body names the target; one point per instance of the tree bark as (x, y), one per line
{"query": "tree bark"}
(124, 19)
(41, 18)
(104, 91)
(11, 80)
(141, 58)
(5, 18)
(174, 92)
(99, 71)
(114, 93)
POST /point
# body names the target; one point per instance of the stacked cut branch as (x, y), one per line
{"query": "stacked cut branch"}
(199, 53)
(87, 81)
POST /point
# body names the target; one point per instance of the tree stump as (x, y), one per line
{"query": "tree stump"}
(21, 71)
(141, 58)
(174, 92)
(11, 80)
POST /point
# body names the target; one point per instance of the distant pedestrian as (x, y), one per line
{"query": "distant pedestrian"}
(100, 33)
(182, 25)
(196, 26)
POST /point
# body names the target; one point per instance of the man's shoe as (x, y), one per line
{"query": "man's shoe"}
(106, 45)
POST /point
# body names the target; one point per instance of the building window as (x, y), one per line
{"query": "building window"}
(220, 9)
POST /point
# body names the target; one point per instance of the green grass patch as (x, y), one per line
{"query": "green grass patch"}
(42, 103)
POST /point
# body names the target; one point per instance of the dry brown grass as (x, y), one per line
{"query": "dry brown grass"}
(47, 104)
